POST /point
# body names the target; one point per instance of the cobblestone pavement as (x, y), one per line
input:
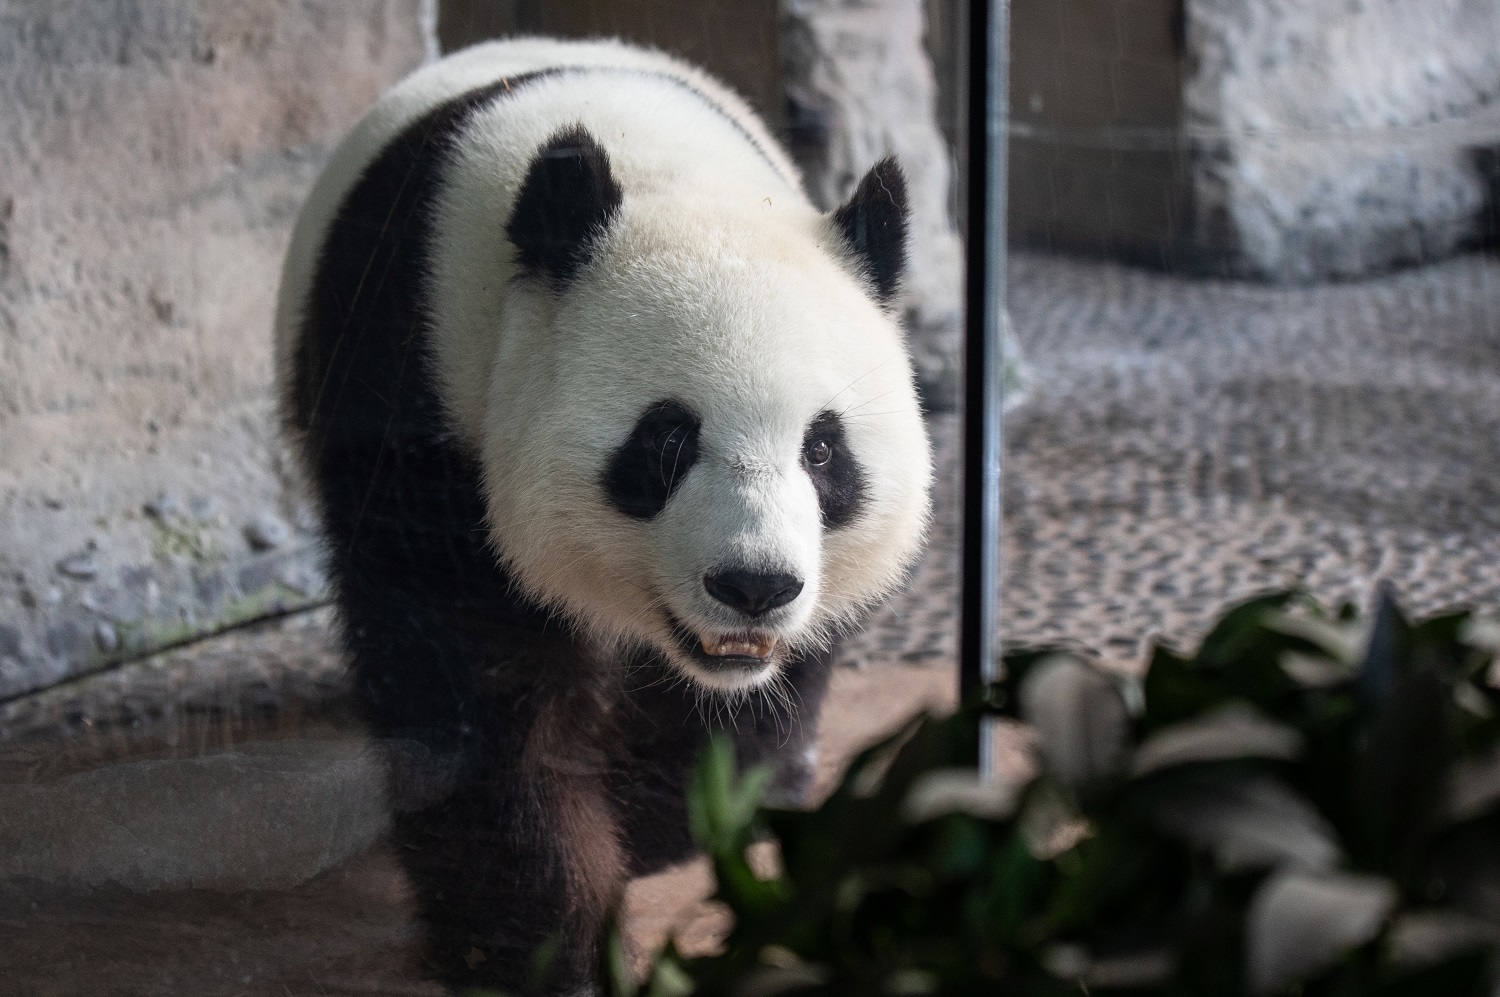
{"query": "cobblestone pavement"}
(1188, 443)
(1184, 444)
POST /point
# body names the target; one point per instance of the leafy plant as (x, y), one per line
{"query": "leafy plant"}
(1309, 804)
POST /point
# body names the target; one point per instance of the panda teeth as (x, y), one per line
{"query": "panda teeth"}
(740, 645)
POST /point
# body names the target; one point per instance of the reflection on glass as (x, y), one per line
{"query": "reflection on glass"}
(375, 655)
(1251, 286)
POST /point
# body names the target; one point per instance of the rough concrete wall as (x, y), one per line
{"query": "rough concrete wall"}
(1349, 129)
(152, 159)
(860, 87)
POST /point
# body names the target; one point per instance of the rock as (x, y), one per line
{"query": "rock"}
(10, 641)
(1349, 130)
(152, 160)
(267, 532)
(204, 508)
(82, 565)
(106, 637)
(163, 507)
(1283, 140)
(860, 87)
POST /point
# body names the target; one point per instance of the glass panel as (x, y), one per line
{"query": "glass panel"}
(1255, 291)
(361, 636)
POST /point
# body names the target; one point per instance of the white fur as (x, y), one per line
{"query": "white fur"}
(719, 286)
(433, 84)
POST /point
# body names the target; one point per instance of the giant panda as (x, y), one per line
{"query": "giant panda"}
(613, 434)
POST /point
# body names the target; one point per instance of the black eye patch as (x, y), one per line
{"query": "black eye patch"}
(646, 469)
(837, 476)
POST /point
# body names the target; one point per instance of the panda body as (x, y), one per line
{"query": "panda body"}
(604, 418)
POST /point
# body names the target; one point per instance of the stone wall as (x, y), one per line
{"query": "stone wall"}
(152, 159)
(736, 40)
(1351, 127)
(1282, 140)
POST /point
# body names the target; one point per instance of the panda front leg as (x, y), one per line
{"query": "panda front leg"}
(667, 724)
(501, 820)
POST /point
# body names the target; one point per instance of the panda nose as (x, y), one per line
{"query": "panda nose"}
(753, 593)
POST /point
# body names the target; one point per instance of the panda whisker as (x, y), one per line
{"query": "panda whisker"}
(861, 377)
(778, 693)
(669, 678)
(676, 460)
(561, 569)
(868, 401)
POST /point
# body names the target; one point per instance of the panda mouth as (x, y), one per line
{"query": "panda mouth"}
(738, 650)
(758, 647)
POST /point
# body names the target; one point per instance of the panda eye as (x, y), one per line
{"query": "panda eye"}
(817, 452)
(670, 439)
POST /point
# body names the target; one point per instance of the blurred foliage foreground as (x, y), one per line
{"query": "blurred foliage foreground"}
(1308, 805)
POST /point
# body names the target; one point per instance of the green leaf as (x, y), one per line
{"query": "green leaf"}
(1299, 924)
(1225, 824)
(1081, 720)
(721, 805)
(1467, 975)
(1232, 731)
(1241, 632)
(1389, 650)
(1401, 777)
(1177, 691)
(618, 976)
(668, 978)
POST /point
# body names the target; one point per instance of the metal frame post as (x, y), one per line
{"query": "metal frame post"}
(983, 347)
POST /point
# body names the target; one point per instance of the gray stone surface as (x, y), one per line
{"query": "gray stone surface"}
(276, 674)
(1339, 138)
(860, 87)
(152, 159)
(1282, 140)
(258, 816)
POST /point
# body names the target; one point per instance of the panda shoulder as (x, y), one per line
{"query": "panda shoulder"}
(421, 92)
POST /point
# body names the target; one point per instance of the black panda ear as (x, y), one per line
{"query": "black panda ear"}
(873, 222)
(568, 199)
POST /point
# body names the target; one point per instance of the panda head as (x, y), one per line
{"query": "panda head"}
(701, 434)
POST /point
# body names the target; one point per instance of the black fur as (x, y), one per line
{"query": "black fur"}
(841, 481)
(567, 201)
(647, 468)
(873, 222)
(486, 704)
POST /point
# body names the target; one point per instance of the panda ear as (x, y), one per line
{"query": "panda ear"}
(568, 199)
(873, 222)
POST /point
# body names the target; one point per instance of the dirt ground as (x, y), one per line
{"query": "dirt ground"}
(1183, 444)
